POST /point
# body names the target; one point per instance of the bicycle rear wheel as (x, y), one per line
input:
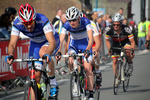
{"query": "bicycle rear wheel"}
(96, 90)
(117, 77)
(127, 77)
(36, 93)
(75, 93)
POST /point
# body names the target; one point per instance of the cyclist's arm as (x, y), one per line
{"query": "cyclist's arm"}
(68, 41)
(108, 44)
(131, 39)
(12, 44)
(62, 37)
(52, 44)
(132, 43)
(90, 36)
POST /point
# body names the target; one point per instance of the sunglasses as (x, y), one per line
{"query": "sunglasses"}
(116, 24)
(28, 23)
(72, 20)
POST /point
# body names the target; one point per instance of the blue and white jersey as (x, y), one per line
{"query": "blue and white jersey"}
(42, 26)
(80, 32)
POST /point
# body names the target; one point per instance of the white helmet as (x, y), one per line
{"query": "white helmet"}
(72, 13)
(117, 18)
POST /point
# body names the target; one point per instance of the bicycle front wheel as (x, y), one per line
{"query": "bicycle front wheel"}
(117, 77)
(127, 77)
(75, 93)
(31, 92)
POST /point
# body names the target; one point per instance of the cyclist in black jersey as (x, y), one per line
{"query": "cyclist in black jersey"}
(120, 36)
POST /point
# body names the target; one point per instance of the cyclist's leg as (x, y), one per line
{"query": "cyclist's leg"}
(54, 85)
(115, 56)
(34, 52)
(71, 50)
(97, 67)
(129, 57)
(89, 75)
(114, 63)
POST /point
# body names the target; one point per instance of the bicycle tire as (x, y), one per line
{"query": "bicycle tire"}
(117, 76)
(127, 77)
(27, 95)
(96, 89)
(74, 80)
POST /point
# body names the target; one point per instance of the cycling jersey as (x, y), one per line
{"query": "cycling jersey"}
(118, 40)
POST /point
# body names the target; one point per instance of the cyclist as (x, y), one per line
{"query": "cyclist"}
(121, 36)
(44, 42)
(81, 38)
(95, 49)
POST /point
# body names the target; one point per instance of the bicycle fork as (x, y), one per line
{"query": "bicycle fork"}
(122, 71)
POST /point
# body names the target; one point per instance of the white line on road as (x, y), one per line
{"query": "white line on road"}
(9, 96)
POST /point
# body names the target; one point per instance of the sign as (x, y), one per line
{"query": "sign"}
(20, 69)
(100, 11)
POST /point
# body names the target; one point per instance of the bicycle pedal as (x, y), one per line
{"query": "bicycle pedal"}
(52, 98)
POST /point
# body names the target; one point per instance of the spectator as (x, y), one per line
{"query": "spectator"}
(103, 23)
(120, 12)
(98, 23)
(58, 15)
(125, 22)
(4, 22)
(133, 28)
(94, 16)
(11, 11)
(146, 24)
(141, 34)
(108, 21)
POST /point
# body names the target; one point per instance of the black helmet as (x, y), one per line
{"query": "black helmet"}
(10, 10)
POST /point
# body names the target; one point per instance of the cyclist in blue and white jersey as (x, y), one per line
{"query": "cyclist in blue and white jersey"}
(44, 42)
(81, 38)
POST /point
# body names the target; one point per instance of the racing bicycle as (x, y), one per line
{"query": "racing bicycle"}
(122, 74)
(78, 80)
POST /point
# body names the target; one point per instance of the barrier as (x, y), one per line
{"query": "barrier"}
(19, 68)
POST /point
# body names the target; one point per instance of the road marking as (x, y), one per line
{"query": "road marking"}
(4, 98)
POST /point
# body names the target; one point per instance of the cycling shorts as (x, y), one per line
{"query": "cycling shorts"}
(35, 48)
(76, 45)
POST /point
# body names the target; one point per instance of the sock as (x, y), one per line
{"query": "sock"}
(91, 94)
(53, 80)
(98, 71)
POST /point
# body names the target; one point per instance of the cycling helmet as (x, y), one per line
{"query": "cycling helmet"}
(117, 18)
(72, 13)
(26, 13)
(10, 10)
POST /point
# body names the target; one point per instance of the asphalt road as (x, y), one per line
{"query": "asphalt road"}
(139, 87)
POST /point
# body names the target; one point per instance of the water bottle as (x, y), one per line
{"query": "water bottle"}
(43, 87)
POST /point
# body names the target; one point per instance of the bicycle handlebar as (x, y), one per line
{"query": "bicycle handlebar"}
(122, 49)
(28, 60)
(73, 55)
